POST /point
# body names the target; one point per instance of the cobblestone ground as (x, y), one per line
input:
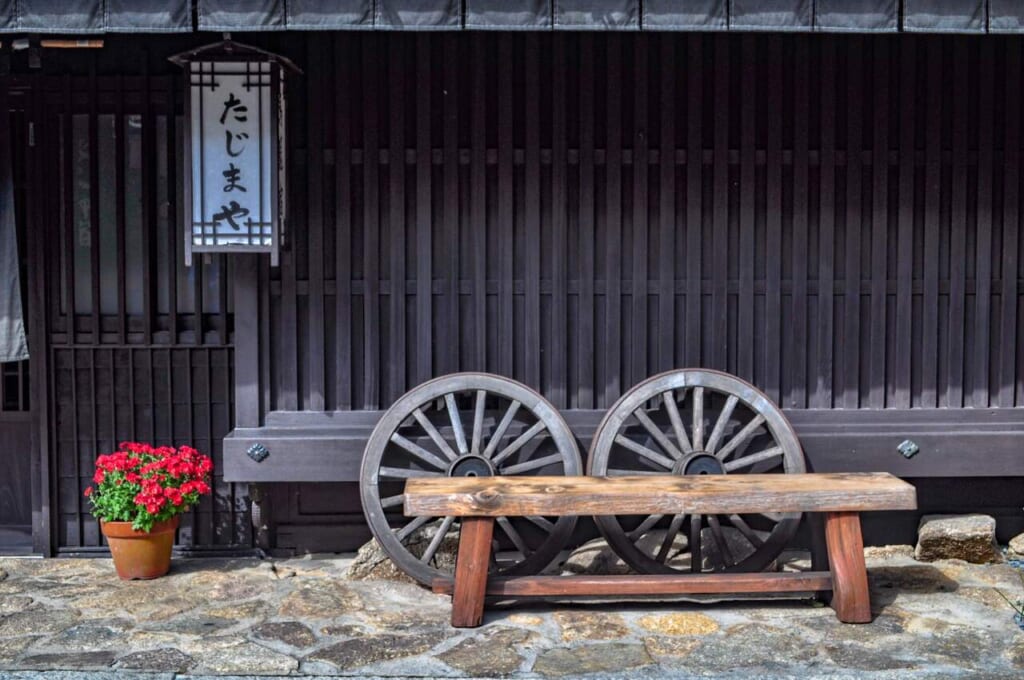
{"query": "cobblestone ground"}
(301, 617)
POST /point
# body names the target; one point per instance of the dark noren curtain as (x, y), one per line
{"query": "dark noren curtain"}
(12, 325)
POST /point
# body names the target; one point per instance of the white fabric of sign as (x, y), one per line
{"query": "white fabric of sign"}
(231, 154)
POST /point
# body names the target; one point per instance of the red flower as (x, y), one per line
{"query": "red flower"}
(88, 491)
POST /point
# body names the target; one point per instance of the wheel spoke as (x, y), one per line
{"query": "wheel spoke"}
(647, 453)
(723, 420)
(531, 464)
(747, 461)
(677, 421)
(435, 542)
(478, 421)
(541, 522)
(453, 415)
(419, 452)
(642, 528)
(723, 546)
(695, 552)
(698, 418)
(404, 473)
(740, 437)
(519, 442)
(747, 532)
(657, 434)
(670, 538)
(506, 420)
(412, 526)
(392, 501)
(511, 532)
(434, 435)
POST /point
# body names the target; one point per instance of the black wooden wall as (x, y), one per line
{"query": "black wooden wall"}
(833, 218)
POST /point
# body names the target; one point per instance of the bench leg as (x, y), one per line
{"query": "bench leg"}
(471, 571)
(850, 596)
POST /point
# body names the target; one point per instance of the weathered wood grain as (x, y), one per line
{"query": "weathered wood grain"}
(651, 494)
(471, 571)
(661, 584)
(850, 596)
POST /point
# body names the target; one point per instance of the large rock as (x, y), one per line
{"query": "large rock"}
(1017, 547)
(371, 563)
(971, 538)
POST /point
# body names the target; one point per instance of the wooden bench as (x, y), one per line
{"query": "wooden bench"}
(480, 500)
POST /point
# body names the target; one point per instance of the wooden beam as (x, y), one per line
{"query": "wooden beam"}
(640, 585)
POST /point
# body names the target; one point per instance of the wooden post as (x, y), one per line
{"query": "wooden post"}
(850, 596)
(471, 571)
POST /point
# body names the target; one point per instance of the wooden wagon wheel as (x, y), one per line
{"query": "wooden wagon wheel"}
(465, 424)
(696, 422)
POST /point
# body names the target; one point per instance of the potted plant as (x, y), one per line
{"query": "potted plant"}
(139, 494)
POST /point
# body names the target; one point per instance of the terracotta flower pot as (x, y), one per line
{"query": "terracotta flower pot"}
(140, 554)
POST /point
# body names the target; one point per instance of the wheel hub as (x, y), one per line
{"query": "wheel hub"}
(471, 466)
(699, 463)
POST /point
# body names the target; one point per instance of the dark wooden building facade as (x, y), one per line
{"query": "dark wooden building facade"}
(835, 218)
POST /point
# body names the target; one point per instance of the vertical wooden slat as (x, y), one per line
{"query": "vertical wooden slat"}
(613, 227)
(120, 129)
(478, 202)
(1008, 298)
(773, 226)
(720, 209)
(315, 221)
(424, 221)
(667, 206)
(148, 195)
(587, 227)
(932, 211)
(559, 232)
(505, 235)
(748, 192)
(248, 409)
(396, 363)
(70, 228)
(879, 226)
(638, 339)
(905, 238)
(173, 235)
(343, 224)
(94, 199)
(958, 232)
(694, 198)
(76, 443)
(371, 232)
(852, 272)
(983, 230)
(42, 296)
(797, 352)
(531, 215)
(451, 338)
(826, 228)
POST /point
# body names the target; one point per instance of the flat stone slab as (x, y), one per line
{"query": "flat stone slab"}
(68, 619)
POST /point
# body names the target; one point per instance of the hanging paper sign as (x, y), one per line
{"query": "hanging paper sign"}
(235, 112)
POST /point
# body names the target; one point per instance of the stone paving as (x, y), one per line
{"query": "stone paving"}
(73, 618)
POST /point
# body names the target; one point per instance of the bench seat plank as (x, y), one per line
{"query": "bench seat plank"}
(652, 494)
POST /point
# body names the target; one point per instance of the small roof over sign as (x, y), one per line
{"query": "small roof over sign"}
(234, 50)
